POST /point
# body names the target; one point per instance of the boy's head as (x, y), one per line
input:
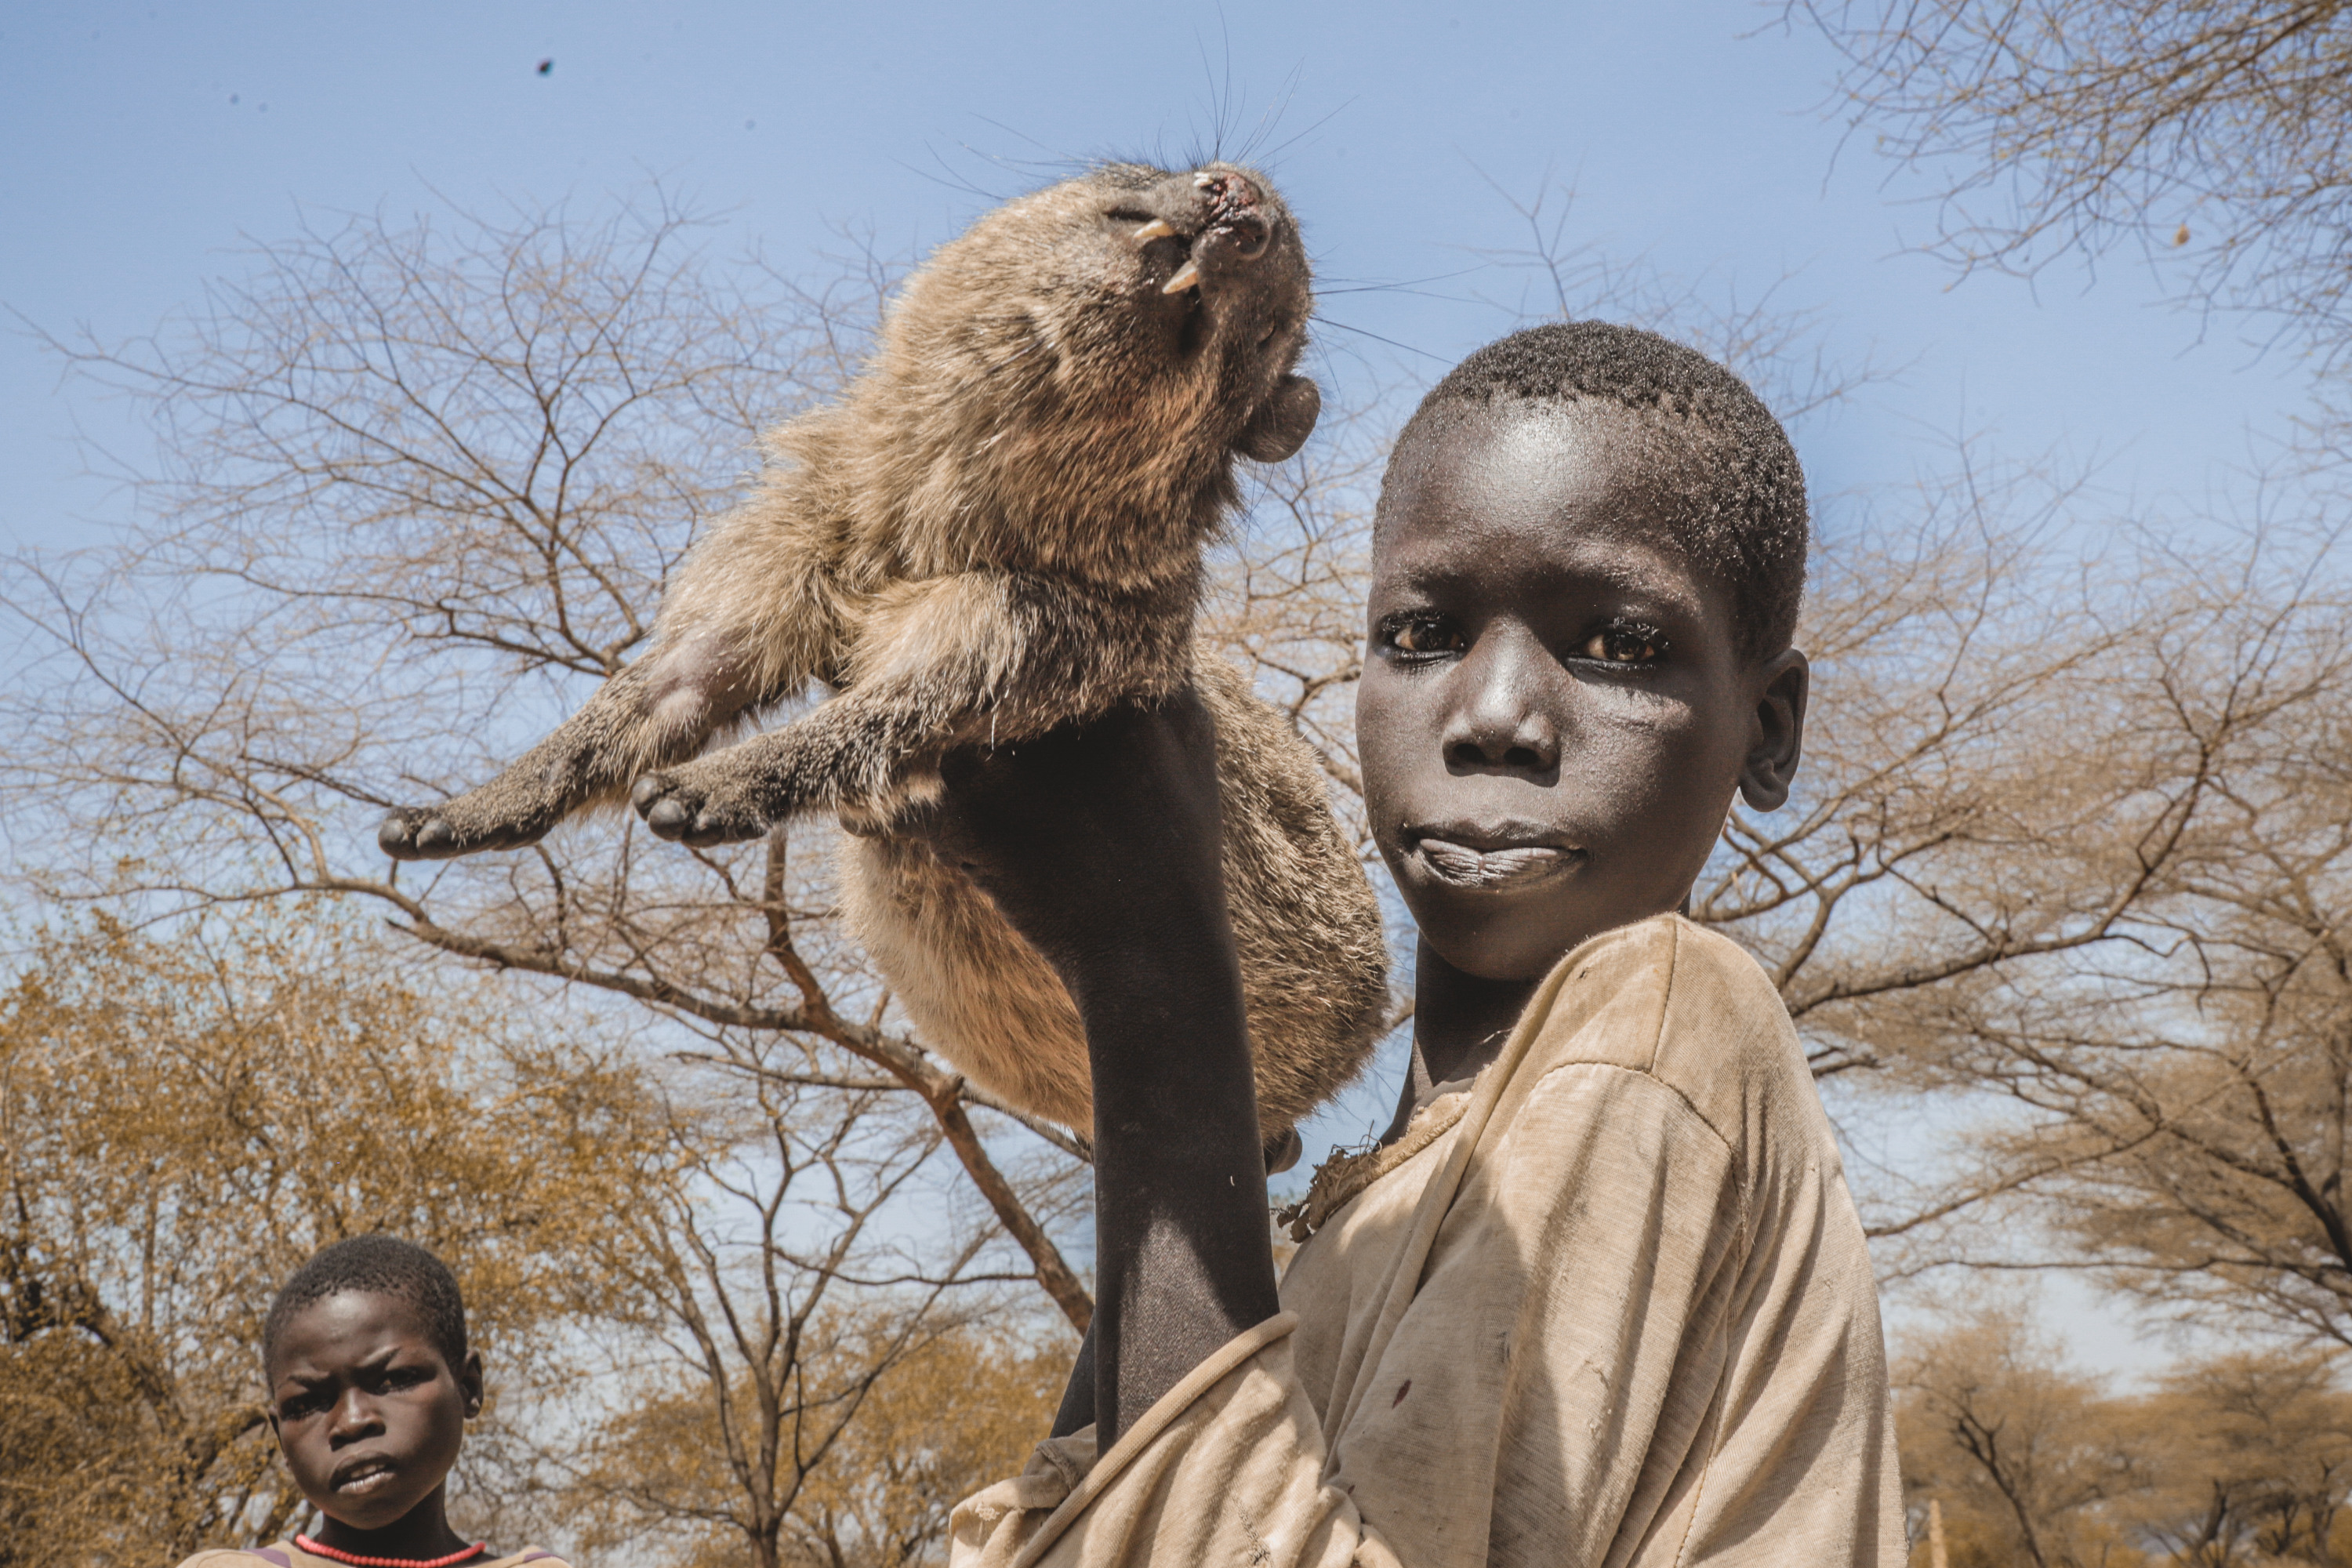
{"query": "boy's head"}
(1587, 565)
(371, 1382)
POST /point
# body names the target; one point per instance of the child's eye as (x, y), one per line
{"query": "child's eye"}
(1625, 642)
(1420, 632)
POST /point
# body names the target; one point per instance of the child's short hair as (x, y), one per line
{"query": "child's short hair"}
(1707, 436)
(379, 1265)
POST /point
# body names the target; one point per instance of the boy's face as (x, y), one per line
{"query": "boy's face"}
(1554, 713)
(368, 1413)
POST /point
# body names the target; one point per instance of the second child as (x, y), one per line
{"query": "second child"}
(371, 1384)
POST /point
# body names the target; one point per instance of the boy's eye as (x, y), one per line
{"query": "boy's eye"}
(1421, 632)
(1626, 642)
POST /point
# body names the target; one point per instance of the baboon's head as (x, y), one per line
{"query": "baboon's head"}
(1085, 363)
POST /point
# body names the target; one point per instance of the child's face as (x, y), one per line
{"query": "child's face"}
(368, 1413)
(1554, 713)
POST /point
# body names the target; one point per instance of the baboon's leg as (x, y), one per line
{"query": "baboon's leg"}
(980, 657)
(749, 621)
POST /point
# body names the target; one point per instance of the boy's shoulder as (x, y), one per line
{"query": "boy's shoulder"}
(1683, 1004)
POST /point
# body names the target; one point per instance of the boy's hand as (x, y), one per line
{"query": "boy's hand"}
(1102, 846)
(1095, 841)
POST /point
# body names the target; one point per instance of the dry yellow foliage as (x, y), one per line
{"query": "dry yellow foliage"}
(899, 1449)
(2242, 1459)
(182, 1120)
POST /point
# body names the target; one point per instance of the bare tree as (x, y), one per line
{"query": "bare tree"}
(2178, 1103)
(947, 1420)
(2218, 135)
(2021, 1454)
(2239, 1459)
(2175, 1101)
(414, 485)
(786, 1271)
(943, 1416)
(2250, 1450)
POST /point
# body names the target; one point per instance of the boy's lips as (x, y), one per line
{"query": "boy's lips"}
(363, 1475)
(1473, 858)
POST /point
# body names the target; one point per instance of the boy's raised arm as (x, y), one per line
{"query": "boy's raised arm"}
(1103, 848)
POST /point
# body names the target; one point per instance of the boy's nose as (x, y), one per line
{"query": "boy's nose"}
(355, 1415)
(1500, 723)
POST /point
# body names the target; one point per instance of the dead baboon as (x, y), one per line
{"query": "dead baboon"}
(997, 531)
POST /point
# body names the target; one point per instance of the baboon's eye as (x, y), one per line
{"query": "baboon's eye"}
(1625, 642)
(1421, 633)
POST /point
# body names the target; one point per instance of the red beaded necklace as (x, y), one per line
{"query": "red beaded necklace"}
(356, 1561)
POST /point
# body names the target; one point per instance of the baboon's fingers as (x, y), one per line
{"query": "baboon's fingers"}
(673, 808)
(421, 832)
(664, 813)
(410, 834)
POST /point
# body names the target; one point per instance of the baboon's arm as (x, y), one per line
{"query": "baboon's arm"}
(748, 623)
(977, 657)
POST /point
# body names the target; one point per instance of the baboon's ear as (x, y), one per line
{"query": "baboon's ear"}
(1282, 423)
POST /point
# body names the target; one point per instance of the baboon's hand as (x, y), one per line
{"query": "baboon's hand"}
(699, 805)
(460, 826)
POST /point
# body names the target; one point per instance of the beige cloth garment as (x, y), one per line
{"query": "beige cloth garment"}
(1618, 1313)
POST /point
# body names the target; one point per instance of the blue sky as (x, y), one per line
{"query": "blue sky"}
(145, 145)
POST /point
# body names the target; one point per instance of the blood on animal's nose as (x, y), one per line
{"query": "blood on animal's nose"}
(1227, 189)
(1236, 228)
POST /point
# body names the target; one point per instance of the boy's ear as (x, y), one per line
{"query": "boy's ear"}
(1783, 683)
(470, 1378)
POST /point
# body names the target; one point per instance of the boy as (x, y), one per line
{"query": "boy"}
(370, 1385)
(1601, 1296)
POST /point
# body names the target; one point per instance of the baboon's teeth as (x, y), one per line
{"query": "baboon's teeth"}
(1186, 276)
(1158, 229)
(1204, 180)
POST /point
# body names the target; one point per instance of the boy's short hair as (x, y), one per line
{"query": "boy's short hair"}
(381, 1266)
(1707, 436)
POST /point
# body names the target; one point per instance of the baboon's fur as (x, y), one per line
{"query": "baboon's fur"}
(998, 531)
